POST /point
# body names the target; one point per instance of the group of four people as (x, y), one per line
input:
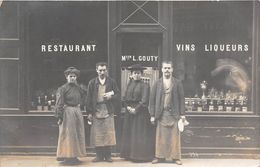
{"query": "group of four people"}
(150, 130)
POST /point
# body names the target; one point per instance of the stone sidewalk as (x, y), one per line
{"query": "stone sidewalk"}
(50, 161)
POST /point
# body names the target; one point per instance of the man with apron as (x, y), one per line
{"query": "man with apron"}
(166, 108)
(102, 95)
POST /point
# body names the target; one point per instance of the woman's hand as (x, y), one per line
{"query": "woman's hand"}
(131, 110)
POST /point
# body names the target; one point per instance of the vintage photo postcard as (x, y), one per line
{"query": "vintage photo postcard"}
(102, 68)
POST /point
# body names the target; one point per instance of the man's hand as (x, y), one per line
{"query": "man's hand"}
(90, 117)
(132, 111)
(59, 121)
(184, 120)
(152, 119)
(107, 97)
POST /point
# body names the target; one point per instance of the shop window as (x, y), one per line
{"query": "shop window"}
(213, 49)
(77, 38)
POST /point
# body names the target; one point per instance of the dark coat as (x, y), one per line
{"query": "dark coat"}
(157, 99)
(91, 99)
(138, 135)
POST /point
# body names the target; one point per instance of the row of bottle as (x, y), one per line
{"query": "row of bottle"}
(44, 103)
(221, 105)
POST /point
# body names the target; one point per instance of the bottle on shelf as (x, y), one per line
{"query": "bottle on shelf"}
(228, 105)
(53, 101)
(193, 107)
(244, 104)
(220, 104)
(227, 97)
(39, 103)
(232, 105)
(45, 104)
(221, 101)
(33, 105)
(195, 102)
(211, 105)
(204, 102)
(187, 108)
(199, 105)
(238, 106)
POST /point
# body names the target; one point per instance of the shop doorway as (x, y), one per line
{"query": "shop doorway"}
(144, 49)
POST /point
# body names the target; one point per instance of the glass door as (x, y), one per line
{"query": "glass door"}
(144, 49)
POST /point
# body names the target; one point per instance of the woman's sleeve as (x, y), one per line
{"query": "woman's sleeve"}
(145, 89)
(124, 98)
(59, 107)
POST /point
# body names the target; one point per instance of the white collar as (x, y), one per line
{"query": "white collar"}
(102, 81)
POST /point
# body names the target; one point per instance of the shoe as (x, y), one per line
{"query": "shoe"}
(178, 162)
(60, 159)
(157, 160)
(72, 161)
(109, 159)
(97, 159)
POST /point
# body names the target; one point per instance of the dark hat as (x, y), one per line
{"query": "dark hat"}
(72, 70)
(136, 67)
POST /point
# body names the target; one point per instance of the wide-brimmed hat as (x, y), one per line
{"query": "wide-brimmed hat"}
(136, 67)
(72, 70)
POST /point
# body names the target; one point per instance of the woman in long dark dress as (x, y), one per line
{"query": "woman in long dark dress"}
(138, 134)
(71, 142)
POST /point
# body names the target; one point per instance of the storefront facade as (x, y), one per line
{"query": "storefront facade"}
(214, 47)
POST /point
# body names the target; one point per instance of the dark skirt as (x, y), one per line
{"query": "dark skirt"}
(138, 137)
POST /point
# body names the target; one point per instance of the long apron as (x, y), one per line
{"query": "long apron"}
(168, 143)
(103, 132)
(71, 142)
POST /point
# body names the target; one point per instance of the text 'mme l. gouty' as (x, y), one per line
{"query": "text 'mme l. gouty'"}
(139, 58)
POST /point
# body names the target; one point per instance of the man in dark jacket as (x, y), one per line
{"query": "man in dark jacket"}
(102, 97)
(166, 108)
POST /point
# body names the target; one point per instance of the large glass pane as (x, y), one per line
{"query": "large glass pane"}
(9, 20)
(77, 38)
(213, 49)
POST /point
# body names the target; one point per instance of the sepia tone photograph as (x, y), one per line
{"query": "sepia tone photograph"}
(129, 83)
